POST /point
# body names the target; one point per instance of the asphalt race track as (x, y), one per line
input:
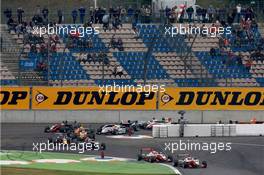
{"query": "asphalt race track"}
(245, 158)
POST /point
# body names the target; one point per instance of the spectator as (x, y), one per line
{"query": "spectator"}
(19, 30)
(43, 50)
(190, 11)
(199, 12)
(239, 59)
(213, 52)
(136, 15)
(130, 13)
(211, 13)
(92, 15)
(123, 14)
(60, 16)
(230, 19)
(120, 44)
(102, 58)
(238, 12)
(118, 70)
(226, 42)
(204, 11)
(89, 43)
(33, 48)
(181, 13)
(167, 13)
(8, 13)
(248, 64)
(20, 12)
(147, 12)
(105, 21)
(89, 58)
(136, 32)
(45, 13)
(41, 66)
(82, 14)
(74, 15)
(116, 23)
(113, 42)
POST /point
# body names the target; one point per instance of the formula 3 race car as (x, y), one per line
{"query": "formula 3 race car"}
(186, 161)
(63, 127)
(131, 124)
(112, 129)
(68, 139)
(149, 124)
(150, 155)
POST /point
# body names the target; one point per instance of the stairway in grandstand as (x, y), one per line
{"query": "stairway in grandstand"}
(134, 57)
(9, 59)
(12, 53)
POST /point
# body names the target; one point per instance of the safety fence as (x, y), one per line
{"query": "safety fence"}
(131, 98)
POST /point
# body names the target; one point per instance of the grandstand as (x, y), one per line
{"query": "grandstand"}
(148, 58)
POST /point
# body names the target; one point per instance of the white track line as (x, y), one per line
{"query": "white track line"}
(175, 170)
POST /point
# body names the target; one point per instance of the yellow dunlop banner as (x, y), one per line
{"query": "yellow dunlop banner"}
(14, 98)
(68, 98)
(212, 99)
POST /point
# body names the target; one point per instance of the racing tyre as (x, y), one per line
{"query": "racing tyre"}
(115, 133)
(151, 160)
(176, 163)
(92, 136)
(139, 157)
(204, 164)
(63, 130)
(170, 158)
(50, 140)
(47, 129)
(185, 165)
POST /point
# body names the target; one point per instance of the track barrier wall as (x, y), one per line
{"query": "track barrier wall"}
(99, 98)
(208, 130)
(90, 105)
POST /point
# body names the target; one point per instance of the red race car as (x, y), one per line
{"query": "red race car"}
(150, 155)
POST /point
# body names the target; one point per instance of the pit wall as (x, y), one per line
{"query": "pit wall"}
(115, 116)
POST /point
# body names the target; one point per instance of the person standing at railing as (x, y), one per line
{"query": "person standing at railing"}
(238, 12)
(60, 16)
(8, 13)
(82, 14)
(211, 13)
(74, 15)
(190, 11)
(130, 13)
(45, 13)
(20, 12)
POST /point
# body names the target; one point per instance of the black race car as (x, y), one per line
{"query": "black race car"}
(131, 124)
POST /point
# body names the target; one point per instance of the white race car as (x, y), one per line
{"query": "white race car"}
(112, 129)
(186, 161)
